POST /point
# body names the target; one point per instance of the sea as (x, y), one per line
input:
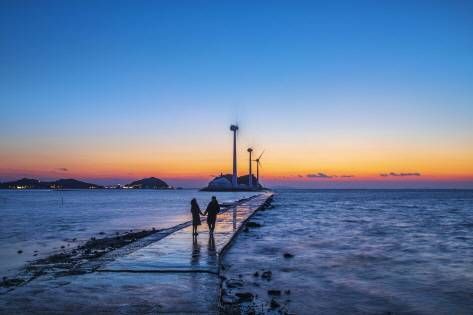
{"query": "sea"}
(37, 223)
(362, 252)
(354, 251)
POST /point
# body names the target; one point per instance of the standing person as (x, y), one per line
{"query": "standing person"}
(212, 210)
(195, 210)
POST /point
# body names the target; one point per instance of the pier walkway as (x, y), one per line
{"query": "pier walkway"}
(180, 252)
(177, 274)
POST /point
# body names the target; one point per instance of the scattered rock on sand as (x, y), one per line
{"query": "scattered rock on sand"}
(234, 283)
(244, 296)
(252, 224)
(11, 282)
(267, 275)
(274, 304)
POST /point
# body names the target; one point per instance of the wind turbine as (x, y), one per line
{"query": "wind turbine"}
(234, 128)
(258, 164)
(250, 175)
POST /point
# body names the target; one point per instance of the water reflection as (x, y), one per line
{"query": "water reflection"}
(211, 245)
(234, 218)
(195, 258)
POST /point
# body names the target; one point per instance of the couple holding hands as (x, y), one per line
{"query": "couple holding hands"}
(211, 212)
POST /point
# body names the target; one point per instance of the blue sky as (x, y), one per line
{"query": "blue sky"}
(76, 76)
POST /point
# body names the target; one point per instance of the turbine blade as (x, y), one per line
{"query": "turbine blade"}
(260, 155)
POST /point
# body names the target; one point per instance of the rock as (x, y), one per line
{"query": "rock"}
(7, 283)
(256, 274)
(229, 299)
(287, 292)
(234, 283)
(288, 255)
(246, 229)
(274, 292)
(274, 304)
(267, 275)
(252, 224)
(101, 233)
(244, 296)
(19, 251)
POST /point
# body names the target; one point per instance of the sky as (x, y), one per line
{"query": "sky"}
(339, 94)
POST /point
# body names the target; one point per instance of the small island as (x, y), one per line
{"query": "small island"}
(148, 183)
(224, 183)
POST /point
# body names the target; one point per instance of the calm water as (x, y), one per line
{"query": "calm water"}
(364, 252)
(43, 220)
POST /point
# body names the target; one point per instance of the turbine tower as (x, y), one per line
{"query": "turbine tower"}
(234, 128)
(258, 164)
(250, 175)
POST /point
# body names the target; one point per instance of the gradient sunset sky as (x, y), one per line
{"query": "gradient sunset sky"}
(340, 94)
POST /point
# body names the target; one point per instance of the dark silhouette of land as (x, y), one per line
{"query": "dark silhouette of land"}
(224, 183)
(29, 183)
(149, 183)
(70, 183)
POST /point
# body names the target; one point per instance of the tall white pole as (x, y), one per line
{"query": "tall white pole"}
(234, 128)
(250, 175)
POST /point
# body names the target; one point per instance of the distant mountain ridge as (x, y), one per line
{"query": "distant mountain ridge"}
(148, 183)
(30, 183)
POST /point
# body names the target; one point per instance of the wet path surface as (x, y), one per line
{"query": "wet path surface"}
(181, 252)
(177, 274)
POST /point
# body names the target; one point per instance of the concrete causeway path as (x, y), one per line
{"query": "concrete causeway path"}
(177, 274)
(180, 252)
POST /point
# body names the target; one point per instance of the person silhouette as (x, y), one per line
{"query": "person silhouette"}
(195, 210)
(212, 210)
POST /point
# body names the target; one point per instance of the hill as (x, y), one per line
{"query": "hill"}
(148, 183)
(29, 183)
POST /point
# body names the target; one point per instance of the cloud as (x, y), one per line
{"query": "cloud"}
(399, 174)
(323, 175)
(319, 175)
(62, 169)
(300, 176)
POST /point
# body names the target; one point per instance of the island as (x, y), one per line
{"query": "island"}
(148, 183)
(30, 183)
(224, 183)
